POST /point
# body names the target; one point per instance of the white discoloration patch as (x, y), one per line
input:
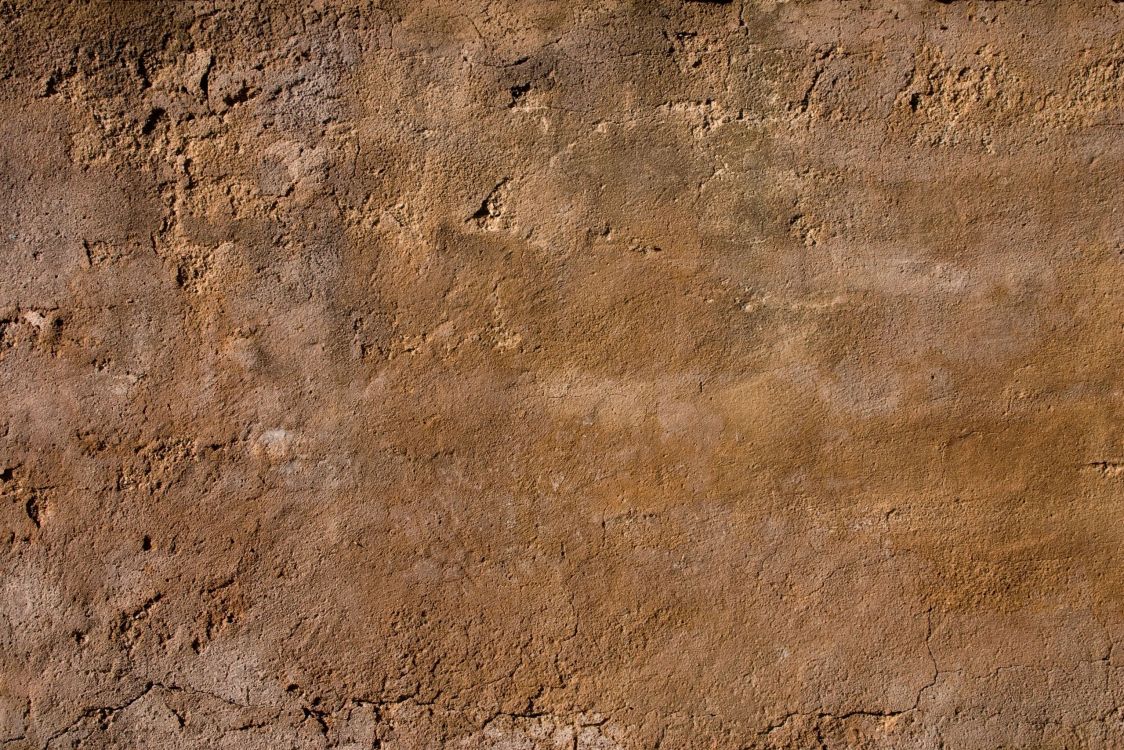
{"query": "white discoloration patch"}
(276, 443)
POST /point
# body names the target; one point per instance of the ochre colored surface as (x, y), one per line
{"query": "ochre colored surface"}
(569, 375)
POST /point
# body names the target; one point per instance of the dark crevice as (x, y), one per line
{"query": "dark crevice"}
(34, 511)
(153, 118)
(518, 92)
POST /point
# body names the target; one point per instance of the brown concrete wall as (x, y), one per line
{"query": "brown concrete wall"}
(599, 375)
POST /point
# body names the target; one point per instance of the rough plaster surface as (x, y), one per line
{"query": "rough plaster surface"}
(598, 375)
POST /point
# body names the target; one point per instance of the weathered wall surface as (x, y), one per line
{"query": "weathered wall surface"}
(616, 375)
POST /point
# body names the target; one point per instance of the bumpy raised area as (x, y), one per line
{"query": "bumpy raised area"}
(562, 375)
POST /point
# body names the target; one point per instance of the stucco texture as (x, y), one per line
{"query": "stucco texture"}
(586, 375)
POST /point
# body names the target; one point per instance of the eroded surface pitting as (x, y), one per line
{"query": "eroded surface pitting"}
(561, 375)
